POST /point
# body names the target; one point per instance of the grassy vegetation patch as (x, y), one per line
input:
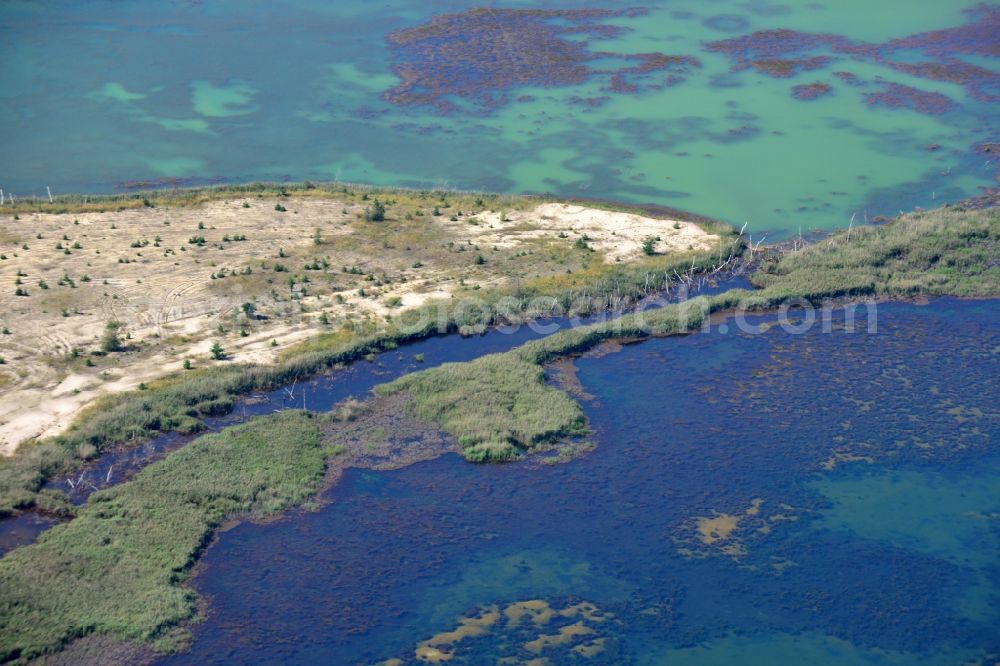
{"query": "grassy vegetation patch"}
(493, 405)
(943, 251)
(117, 568)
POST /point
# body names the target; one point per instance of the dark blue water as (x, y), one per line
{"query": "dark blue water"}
(825, 497)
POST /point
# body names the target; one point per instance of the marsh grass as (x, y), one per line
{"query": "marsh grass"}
(494, 405)
(943, 251)
(117, 568)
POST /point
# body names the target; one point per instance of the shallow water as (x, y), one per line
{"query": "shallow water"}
(830, 497)
(96, 95)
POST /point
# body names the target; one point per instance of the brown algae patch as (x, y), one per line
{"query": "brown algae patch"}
(722, 525)
(563, 373)
(727, 533)
(438, 648)
(565, 635)
(513, 635)
(841, 457)
(472, 60)
(537, 610)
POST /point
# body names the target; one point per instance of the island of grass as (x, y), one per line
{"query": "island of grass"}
(119, 567)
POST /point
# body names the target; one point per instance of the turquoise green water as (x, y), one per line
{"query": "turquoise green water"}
(94, 95)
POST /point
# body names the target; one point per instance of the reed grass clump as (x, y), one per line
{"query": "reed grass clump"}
(117, 568)
(944, 251)
(496, 406)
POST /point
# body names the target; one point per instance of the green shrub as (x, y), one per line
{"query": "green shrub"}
(649, 245)
(111, 342)
(375, 212)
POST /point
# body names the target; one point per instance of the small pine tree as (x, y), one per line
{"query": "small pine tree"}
(649, 245)
(375, 212)
(111, 342)
(218, 353)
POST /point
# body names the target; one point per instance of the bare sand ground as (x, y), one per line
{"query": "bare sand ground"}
(174, 295)
(617, 236)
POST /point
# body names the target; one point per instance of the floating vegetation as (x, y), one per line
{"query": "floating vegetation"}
(783, 53)
(896, 96)
(478, 55)
(785, 68)
(727, 533)
(811, 91)
(523, 632)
